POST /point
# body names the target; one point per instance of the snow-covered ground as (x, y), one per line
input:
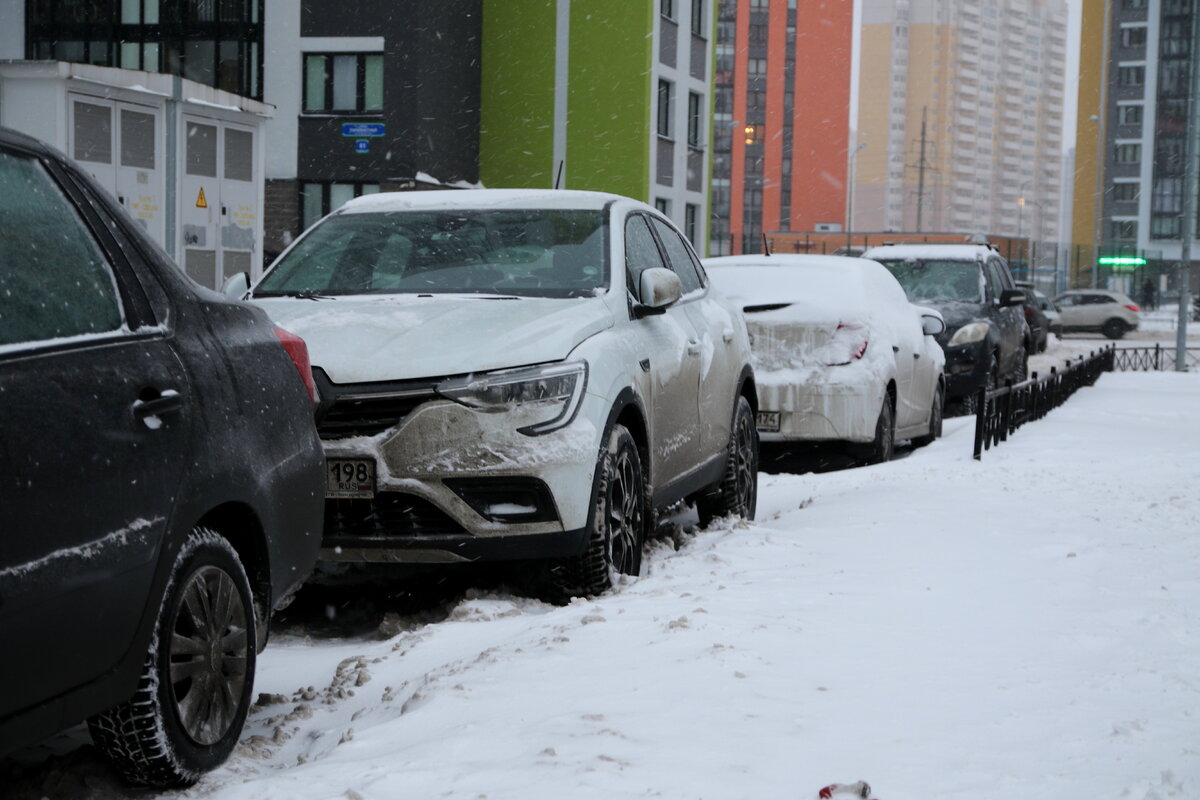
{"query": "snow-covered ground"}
(1027, 626)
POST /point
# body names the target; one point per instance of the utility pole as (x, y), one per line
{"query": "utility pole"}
(1191, 149)
(921, 172)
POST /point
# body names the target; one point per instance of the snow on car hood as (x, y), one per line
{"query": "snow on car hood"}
(398, 337)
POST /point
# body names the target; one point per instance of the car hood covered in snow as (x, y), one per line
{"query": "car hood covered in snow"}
(361, 339)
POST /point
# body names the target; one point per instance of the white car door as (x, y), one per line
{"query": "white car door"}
(716, 332)
(670, 353)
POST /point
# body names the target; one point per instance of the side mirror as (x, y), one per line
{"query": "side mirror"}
(931, 325)
(236, 286)
(1012, 297)
(660, 287)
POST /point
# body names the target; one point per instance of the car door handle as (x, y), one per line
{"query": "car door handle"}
(916, 355)
(152, 403)
(727, 335)
(693, 347)
(895, 349)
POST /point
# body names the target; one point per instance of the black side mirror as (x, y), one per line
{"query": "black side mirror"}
(1012, 297)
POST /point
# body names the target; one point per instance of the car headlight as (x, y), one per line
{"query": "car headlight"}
(970, 333)
(557, 387)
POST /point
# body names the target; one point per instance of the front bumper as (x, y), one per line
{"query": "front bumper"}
(457, 484)
(966, 369)
(814, 412)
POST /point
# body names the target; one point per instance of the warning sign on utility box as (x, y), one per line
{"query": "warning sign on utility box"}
(200, 201)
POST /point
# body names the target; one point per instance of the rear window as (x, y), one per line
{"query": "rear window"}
(934, 280)
(525, 252)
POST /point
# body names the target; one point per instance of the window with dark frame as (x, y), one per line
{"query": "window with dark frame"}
(667, 8)
(694, 120)
(666, 92)
(1126, 192)
(1129, 115)
(343, 82)
(697, 17)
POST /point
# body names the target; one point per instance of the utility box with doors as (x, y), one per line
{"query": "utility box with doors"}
(185, 160)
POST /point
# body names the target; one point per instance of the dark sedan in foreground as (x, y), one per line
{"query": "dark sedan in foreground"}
(161, 482)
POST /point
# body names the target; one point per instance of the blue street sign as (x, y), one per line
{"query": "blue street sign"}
(357, 130)
(362, 145)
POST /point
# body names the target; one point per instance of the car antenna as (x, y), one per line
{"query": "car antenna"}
(558, 177)
(766, 245)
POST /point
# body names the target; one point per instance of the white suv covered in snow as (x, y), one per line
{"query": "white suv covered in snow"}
(515, 375)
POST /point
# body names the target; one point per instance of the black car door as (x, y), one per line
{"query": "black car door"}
(1010, 319)
(94, 432)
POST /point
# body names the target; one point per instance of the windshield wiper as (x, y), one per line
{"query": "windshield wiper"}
(303, 294)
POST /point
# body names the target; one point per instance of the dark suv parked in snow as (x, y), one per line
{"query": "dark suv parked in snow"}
(987, 339)
(161, 482)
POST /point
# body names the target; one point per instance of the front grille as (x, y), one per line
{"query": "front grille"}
(389, 515)
(368, 414)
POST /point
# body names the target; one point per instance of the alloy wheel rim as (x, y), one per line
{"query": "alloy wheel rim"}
(208, 654)
(624, 514)
(744, 464)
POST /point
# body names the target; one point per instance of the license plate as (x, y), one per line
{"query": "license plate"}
(767, 421)
(352, 478)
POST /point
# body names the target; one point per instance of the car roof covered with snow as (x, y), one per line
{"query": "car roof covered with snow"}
(439, 200)
(825, 284)
(946, 252)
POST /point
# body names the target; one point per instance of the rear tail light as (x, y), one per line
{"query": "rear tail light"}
(1028, 312)
(297, 350)
(1131, 307)
(848, 343)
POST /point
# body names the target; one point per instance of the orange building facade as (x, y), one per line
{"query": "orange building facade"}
(781, 124)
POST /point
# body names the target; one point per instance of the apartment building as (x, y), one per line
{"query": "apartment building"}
(960, 116)
(781, 119)
(1131, 140)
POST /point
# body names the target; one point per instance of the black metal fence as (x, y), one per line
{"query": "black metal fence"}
(1001, 411)
(1150, 359)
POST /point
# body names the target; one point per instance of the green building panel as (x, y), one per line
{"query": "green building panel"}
(609, 98)
(516, 138)
(609, 103)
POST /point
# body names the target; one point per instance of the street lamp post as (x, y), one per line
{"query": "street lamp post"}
(852, 179)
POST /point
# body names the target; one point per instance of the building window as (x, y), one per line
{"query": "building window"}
(698, 17)
(343, 82)
(756, 66)
(1131, 76)
(1125, 192)
(1129, 154)
(691, 213)
(1133, 37)
(663, 205)
(1124, 230)
(320, 198)
(1133, 4)
(666, 91)
(667, 8)
(694, 118)
(1129, 115)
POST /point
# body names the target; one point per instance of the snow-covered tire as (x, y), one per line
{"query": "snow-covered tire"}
(884, 445)
(191, 701)
(935, 419)
(1113, 329)
(737, 493)
(621, 515)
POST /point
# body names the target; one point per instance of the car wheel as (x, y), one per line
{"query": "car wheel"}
(194, 692)
(1113, 329)
(935, 420)
(882, 448)
(1022, 370)
(618, 531)
(737, 493)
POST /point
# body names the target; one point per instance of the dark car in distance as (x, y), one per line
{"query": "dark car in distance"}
(161, 482)
(987, 339)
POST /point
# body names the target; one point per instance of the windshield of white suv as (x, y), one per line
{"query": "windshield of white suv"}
(534, 253)
(933, 280)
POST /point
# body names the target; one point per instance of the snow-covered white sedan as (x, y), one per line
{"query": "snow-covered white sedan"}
(839, 352)
(513, 374)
